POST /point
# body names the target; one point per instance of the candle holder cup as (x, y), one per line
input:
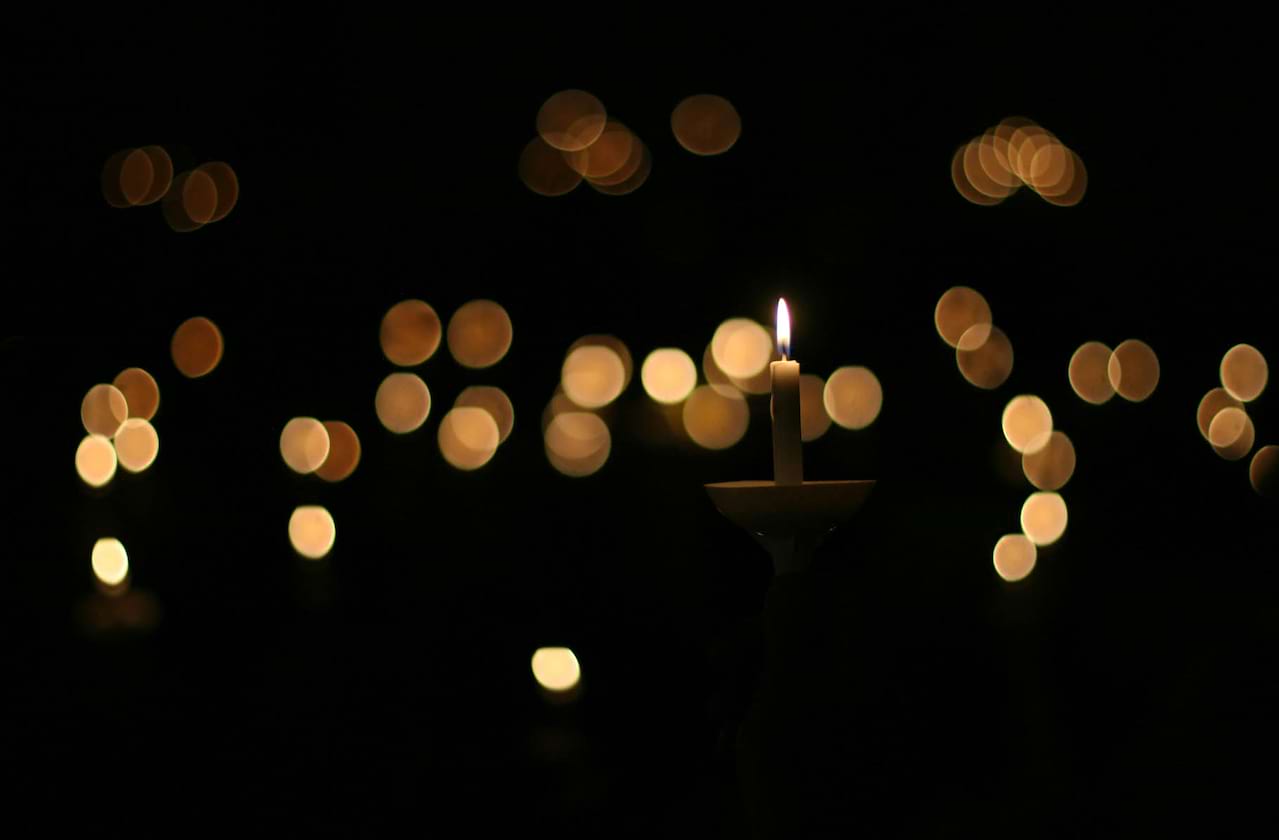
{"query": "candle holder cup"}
(789, 520)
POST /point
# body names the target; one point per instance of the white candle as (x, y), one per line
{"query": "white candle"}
(788, 453)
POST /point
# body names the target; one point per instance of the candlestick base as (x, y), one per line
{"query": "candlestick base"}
(789, 520)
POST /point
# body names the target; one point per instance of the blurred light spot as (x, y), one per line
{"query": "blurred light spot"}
(137, 444)
(140, 392)
(989, 364)
(495, 402)
(706, 124)
(545, 171)
(1051, 466)
(577, 443)
(668, 375)
(643, 167)
(762, 382)
(571, 120)
(110, 561)
(1231, 433)
(95, 460)
(312, 531)
(592, 376)
(162, 167)
(556, 668)
(992, 155)
(468, 437)
(853, 397)
(1051, 168)
(226, 189)
(1133, 370)
(1027, 423)
(1244, 372)
(1090, 373)
(402, 402)
(605, 156)
(714, 376)
(127, 177)
(103, 410)
(814, 421)
(714, 418)
(196, 347)
(344, 451)
(1077, 185)
(962, 185)
(191, 202)
(1264, 471)
(559, 404)
(1024, 142)
(616, 345)
(479, 334)
(977, 177)
(410, 333)
(1043, 518)
(634, 157)
(304, 444)
(958, 310)
(741, 347)
(1014, 557)
(1211, 404)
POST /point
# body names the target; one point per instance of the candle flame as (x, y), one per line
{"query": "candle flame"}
(783, 328)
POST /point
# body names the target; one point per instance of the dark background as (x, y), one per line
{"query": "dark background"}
(1126, 683)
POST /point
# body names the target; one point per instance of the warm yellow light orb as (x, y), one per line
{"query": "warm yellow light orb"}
(556, 668)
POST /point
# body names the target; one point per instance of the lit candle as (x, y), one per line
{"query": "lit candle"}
(788, 453)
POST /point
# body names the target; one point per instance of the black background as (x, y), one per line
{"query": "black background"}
(1126, 683)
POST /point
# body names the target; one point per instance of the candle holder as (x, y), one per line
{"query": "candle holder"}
(789, 520)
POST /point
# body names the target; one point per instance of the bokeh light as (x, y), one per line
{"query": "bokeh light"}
(1231, 433)
(312, 531)
(977, 177)
(706, 124)
(544, 170)
(1090, 372)
(1050, 467)
(226, 188)
(571, 120)
(127, 178)
(410, 333)
(468, 437)
(606, 156)
(344, 452)
(1212, 404)
(137, 444)
(814, 421)
(1043, 518)
(140, 391)
(95, 460)
(103, 410)
(196, 347)
(1014, 557)
(1244, 372)
(1133, 370)
(402, 402)
(479, 334)
(1264, 471)
(616, 345)
(853, 397)
(668, 375)
(304, 444)
(191, 202)
(958, 310)
(1076, 184)
(1027, 423)
(162, 167)
(630, 176)
(556, 668)
(962, 185)
(741, 347)
(992, 155)
(577, 443)
(110, 561)
(990, 362)
(592, 376)
(715, 418)
(495, 402)
(715, 377)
